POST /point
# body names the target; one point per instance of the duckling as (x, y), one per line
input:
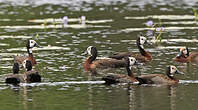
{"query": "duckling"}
(30, 44)
(15, 77)
(144, 56)
(167, 79)
(91, 64)
(122, 78)
(29, 76)
(185, 56)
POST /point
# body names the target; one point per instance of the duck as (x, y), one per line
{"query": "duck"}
(144, 56)
(186, 56)
(30, 44)
(14, 78)
(91, 63)
(122, 78)
(30, 76)
(162, 79)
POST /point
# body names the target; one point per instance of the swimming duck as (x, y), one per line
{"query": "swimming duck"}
(29, 76)
(144, 56)
(91, 64)
(167, 79)
(30, 44)
(122, 78)
(185, 56)
(14, 78)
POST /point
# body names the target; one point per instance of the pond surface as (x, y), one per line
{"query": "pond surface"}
(111, 26)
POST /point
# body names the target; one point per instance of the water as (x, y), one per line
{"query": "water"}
(111, 26)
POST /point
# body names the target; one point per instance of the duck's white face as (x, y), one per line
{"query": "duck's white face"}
(132, 61)
(173, 70)
(89, 50)
(32, 43)
(142, 40)
(184, 50)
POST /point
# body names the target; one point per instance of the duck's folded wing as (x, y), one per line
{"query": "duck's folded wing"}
(20, 59)
(150, 79)
(31, 72)
(194, 57)
(32, 76)
(109, 63)
(15, 78)
(114, 78)
(121, 55)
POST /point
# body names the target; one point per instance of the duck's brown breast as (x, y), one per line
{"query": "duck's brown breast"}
(21, 59)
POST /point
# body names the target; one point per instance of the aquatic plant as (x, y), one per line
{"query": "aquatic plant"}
(54, 22)
(158, 37)
(36, 36)
(82, 19)
(195, 14)
(158, 29)
(149, 23)
(65, 21)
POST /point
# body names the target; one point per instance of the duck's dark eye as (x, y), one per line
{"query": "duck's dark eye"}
(31, 41)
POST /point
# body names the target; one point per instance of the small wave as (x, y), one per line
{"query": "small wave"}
(165, 28)
(43, 48)
(61, 83)
(188, 81)
(60, 20)
(169, 17)
(74, 26)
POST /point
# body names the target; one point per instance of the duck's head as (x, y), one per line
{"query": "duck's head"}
(15, 68)
(27, 64)
(131, 61)
(141, 41)
(31, 44)
(171, 70)
(91, 51)
(183, 52)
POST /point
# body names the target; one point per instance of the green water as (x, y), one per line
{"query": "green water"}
(111, 26)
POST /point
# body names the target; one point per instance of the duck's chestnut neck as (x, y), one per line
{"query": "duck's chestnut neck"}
(130, 73)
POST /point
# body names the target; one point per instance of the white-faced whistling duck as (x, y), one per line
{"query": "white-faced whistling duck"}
(186, 56)
(30, 44)
(144, 56)
(91, 64)
(167, 79)
(122, 78)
